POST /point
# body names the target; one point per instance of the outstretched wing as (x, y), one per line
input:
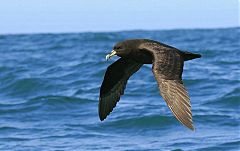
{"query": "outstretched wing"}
(167, 69)
(177, 99)
(114, 83)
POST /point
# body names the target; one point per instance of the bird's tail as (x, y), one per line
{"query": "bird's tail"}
(189, 56)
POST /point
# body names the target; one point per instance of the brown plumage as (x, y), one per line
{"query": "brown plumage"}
(167, 68)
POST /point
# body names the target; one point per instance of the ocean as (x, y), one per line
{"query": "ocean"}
(49, 89)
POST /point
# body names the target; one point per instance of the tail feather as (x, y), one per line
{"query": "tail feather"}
(189, 56)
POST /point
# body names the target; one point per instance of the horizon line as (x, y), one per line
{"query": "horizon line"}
(115, 31)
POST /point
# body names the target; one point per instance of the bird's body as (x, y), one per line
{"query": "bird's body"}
(167, 68)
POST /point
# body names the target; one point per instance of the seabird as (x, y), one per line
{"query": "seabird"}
(167, 67)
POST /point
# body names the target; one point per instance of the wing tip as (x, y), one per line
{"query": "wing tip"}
(191, 127)
(103, 112)
(102, 117)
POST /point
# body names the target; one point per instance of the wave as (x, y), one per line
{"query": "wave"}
(25, 86)
(229, 145)
(220, 119)
(43, 103)
(144, 121)
(8, 128)
(55, 100)
(230, 99)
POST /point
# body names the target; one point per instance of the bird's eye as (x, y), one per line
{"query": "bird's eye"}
(117, 47)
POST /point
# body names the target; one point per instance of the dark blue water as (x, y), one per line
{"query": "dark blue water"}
(49, 88)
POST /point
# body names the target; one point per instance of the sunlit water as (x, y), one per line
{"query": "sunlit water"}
(49, 89)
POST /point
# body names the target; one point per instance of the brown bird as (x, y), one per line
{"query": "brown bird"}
(167, 69)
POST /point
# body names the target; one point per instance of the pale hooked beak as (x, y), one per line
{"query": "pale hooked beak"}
(113, 52)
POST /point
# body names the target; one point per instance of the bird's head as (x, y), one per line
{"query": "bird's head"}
(123, 49)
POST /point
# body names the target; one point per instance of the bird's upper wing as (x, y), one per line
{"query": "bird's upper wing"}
(167, 69)
(114, 83)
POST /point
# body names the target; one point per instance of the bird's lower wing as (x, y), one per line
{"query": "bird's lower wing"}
(114, 83)
(167, 69)
(177, 99)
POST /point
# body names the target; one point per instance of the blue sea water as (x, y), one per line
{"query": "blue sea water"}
(49, 89)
